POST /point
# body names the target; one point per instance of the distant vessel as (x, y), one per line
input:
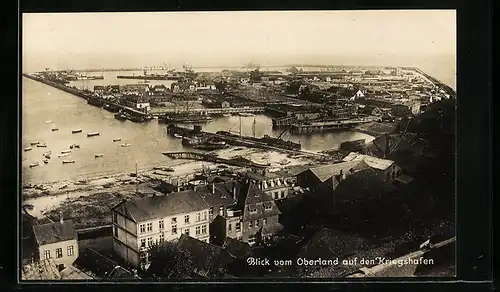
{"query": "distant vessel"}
(34, 164)
(41, 145)
(117, 140)
(98, 155)
(92, 134)
(63, 155)
(48, 122)
(45, 161)
(65, 151)
(47, 155)
(76, 131)
(68, 161)
(178, 136)
(125, 145)
(55, 129)
(35, 143)
(28, 148)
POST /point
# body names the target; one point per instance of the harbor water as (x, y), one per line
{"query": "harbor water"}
(45, 108)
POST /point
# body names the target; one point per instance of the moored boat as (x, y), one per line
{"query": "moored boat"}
(65, 151)
(28, 148)
(76, 131)
(92, 134)
(41, 145)
(45, 161)
(34, 164)
(120, 116)
(125, 145)
(55, 129)
(48, 122)
(68, 161)
(98, 155)
(117, 139)
(35, 143)
(63, 155)
(46, 156)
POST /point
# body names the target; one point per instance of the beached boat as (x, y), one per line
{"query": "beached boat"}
(48, 122)
(178, 136)
(34, 164)
(41, 145)
(35, 143)
(45, 161)
(98, 155)
(55, 129)
(92, 134)
(76, 131)
(125, 145)
(68, 161)
(117, 140)
(65, 151)
(28, 148)
(63, 155)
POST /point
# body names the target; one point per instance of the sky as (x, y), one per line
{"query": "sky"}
(120, 40)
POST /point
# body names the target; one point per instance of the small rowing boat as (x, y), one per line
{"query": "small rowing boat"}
(34, 143)
(55, 129)
(65, 151)
(117, 140)
(76, 131)
(48, 122)
(45, 161)
(28, 148)
(68, 161)
(47, 156)
(63, 155)
(92, 134)
(98, 155)
(41, 145)
(34, 164)
(125, 145)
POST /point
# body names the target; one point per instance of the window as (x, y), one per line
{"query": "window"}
(252, 209)
(186, 219)
(204, 229)
(268, 207)
(198, 230)
(229, 227)
(46, 254)
(174, 220)
(174, 229)
(150, 241)
(161, 225)
(221, 211)
(198, 217)
(211, 211)
(250, 224)
(238, 226)
(186, 231)
(58, 253)
(115, 217)
(275, 195)
(142, 228)
(150, 227)
(264, 222)
(204, 215)
(162, 237)
(71, 250)
(143, 242)
(256, 223)
(282, 194)
(251, 239)
(116, 231)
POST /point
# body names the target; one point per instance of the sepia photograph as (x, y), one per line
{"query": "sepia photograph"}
(176, 146)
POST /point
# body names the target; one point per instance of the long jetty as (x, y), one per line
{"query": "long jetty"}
(83, 94)
(242, 162)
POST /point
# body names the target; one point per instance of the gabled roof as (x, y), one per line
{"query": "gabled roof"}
(373, 162)
(259, 200)
(42, 270)
(54, 232)
(207, 258)
(236, 248)
(162, 206)
(223, 194)
(325, 172)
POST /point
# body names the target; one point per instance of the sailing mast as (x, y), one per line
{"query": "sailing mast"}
(253, 128)
(240, 126)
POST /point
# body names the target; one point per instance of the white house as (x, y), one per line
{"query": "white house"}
(388, 168)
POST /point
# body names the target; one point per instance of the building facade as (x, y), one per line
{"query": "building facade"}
(139, 224)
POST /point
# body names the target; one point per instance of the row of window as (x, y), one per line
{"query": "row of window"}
(59, 252)
(199, 230)
(251, 224)
(148, 227)
(211, 211)
(278, 195)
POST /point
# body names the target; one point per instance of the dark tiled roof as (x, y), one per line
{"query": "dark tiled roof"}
(260, 200)
(236, 248)
(208, 258)
(54, 232)
(223, 195)
(162, 206)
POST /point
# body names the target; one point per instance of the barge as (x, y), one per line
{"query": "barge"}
(95, 101)
(184, 119)
(76, 131)
(92, 134)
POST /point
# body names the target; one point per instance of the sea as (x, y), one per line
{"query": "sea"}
(45, 108)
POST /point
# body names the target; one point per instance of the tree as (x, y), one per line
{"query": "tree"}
(169, 261)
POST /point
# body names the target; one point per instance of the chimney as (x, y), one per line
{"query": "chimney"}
(61, 220)
(213, 188)
(341, 175)
(234, 191)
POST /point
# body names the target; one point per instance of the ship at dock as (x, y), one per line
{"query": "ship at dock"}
(184, 118)
(203, 143)
(111, 108)
(94, 101)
